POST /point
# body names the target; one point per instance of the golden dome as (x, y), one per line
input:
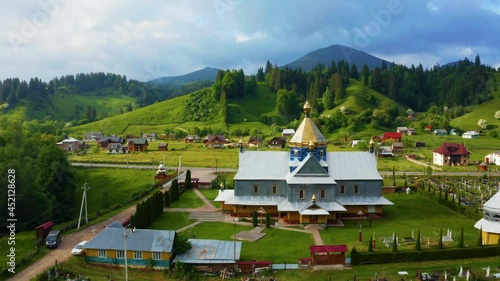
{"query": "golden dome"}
(307, 133)
(372, 142)
(314, 198)
(307, 107)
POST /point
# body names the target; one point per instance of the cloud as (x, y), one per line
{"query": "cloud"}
(157, 38)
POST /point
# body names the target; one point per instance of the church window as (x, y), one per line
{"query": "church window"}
(302, 194)
(342, 189)
(275, 189)
(255, 188)
(356, 189)
(322, 194)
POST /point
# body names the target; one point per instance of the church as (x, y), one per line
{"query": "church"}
(306, 185)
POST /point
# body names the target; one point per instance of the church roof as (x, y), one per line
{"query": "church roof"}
(363, 200)
(274, 165)
(309, 171)
(493, 205)
(307, 132)
(488, 226)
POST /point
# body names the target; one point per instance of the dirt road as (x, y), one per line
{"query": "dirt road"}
(63, 252)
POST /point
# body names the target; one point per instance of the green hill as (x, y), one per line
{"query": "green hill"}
(485, 111)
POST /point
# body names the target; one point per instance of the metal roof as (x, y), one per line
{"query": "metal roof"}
(328, 248)
(211, 251)
(306, 133)
(488, 226)
(268, 165)
(363, 200)
(493, 205)
(111, 238)
(224, 194)
(255, 200)
(274, 165)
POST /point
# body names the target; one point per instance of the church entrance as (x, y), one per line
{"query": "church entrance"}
(313, 219)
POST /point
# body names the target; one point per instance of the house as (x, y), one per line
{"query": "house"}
(137, 144)
(93, 136)
(451, 154)
(384, 151)
(493, 157)
(397, 148)
(411, 132)
(428, 128)
(440, 132)
(163, 146)
(192, 138)
(306, 184)
(144, 247)
(287, 132)
(402, 130)
(394, 136)
(215, 141)
(116, 148)
(254, 142)
(214, 254)
(413, 116)
(71, 144)
(105, 141)
(490, 223)
(277, 142)
(454, 132)
(470, 135)
(150, 136)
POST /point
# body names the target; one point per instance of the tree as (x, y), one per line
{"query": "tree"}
(440, 241)
(393, 176)
(480, 238)
(482, 123)
(268, 220)
(418, 245)
(254, 219)
(370, 245)
(461, 239)
(394, 243)
(328, 101)
(181, 243)
(174, 191)
(187, 180)
(365, 74)
(166, 198)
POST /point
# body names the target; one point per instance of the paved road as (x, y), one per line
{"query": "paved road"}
(63, 252)
(211, 170)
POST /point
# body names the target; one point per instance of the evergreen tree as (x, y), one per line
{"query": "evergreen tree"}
(338, 88)
(480, 238)
(354, 72)
(254, 219)
(260, 75)
(376, 80)
(166, 198)
(461, 239)
(174, 191)
(268, 220)
(187, 181)
(328, 101)
(393, 176)
(394, 243)
(440, 239)
(365, 74)
(418, 245)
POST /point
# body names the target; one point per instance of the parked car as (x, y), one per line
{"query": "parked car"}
(53, 239)
(78, 249)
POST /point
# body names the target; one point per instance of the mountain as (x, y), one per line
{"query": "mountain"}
(336, 53)
(207, 73)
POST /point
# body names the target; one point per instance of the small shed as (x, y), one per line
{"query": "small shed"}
(163, 146)
(328, 254)
(43, 230)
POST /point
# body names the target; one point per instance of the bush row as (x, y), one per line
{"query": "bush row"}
(410, 256)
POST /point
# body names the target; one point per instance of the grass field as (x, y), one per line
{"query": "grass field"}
(188, 199)
(172, 221)
(109, 186)
(210, 194)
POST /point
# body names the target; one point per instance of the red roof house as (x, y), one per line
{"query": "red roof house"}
(395, 136)
(451, 154)
(215, 141)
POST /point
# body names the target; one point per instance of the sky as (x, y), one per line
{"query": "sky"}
(149, 39)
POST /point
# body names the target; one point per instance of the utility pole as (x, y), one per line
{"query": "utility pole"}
(84, 199)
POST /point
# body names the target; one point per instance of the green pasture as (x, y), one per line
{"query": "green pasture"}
(172, 221)
(188, 199)
(211, 194)
(110, 186)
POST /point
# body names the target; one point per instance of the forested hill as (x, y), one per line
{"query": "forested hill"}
(336, 53)
(205, 74)
(83, 97)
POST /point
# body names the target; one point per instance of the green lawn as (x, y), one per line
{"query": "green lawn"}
(172, 221)
(110, 186)
(211, 194)
(188, 199)
(218, 230)
(411, 212)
